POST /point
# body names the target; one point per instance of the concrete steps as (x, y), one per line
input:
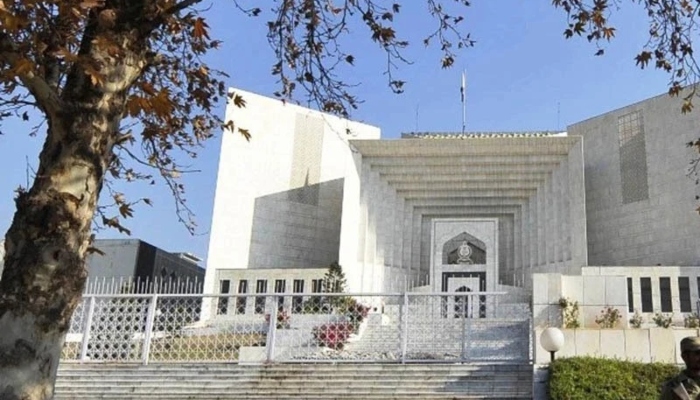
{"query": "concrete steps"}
(484, 339)
(301, 381)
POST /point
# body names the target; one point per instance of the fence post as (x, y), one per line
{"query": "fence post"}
(150, 318)
(88, 328)
(271, 331)
(404, 333)
(463, 314)
(469, 327)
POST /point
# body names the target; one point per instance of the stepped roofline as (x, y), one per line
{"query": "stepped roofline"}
(476, 135)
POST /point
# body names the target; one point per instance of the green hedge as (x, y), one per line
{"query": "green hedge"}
(602, 379)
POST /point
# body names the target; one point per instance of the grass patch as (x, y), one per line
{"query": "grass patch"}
(219, 347)
(605, 379)
(71, 351)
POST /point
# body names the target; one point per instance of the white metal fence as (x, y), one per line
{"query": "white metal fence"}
(137, 285)
(255, 328)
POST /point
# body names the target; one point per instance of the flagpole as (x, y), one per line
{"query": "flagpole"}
(463, 91)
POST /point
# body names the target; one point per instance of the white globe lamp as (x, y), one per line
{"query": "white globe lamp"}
(552, 340)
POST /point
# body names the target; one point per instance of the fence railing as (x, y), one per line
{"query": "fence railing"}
(324, 327)
(147, 285)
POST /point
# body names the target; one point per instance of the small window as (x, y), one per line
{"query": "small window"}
(224, 287)
(665, 292)
(242, 286)
(645, 286)
(242, 301)
(684, 293)
(260, 287)
(317, 286)
(630, 296)
(297, 301)
(280, 286)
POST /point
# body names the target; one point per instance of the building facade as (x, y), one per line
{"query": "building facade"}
(279, 196)
(640, 201)
(131, 260)
(450, 211)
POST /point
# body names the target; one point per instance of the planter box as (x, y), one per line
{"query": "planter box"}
(250, 355)
(644, 345)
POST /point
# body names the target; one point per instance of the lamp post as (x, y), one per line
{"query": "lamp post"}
(552, 340)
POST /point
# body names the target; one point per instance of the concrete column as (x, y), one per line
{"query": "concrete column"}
(566, 212)
(577, 184)
(542, 226)
(367, 235)
(415, 241)
(549, 231)
(655, 294)
(407, 236)
(379, 217)
(525, 238)
(675, 296)
(371, 239)
(693, 282)
(518, 244)
(398, 231)
(389, 229)
(559, 208)
(351, 225)
(534, 250)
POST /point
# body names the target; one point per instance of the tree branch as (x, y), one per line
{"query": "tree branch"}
(46, 97)
(161, 17)
(180, 6)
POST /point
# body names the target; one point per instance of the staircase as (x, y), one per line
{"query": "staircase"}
(432, 335)
(299, 381)
(469, 340)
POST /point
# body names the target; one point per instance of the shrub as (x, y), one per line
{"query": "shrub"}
(637, 320)
(333, 335)
(608, 318)
(605, 379)
(662, 320)
(691, 320)
(316, 305)
(356, 313)
(570, 313)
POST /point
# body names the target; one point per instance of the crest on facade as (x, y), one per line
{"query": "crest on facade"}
(464, 252)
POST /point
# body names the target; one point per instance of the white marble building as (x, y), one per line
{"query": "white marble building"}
(309, 189)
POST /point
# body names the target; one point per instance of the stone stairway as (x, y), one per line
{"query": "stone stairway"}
(447, 338)
(294, 381)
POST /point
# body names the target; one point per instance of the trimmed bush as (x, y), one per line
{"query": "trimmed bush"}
(637, 320)
(605, 379)
(356, 313)
(609, 317)
(663, 320)
(333, 335)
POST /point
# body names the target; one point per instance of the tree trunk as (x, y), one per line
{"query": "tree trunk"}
(46, 244)
(46, 247)
(29, 358)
